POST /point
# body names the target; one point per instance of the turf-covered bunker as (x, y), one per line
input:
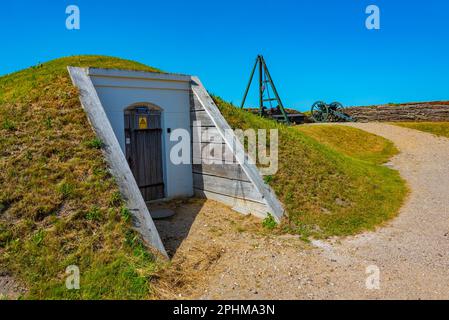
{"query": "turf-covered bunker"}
(135, 113)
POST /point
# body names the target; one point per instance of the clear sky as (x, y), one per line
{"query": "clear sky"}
(316, 49)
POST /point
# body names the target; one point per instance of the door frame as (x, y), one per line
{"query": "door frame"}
(152, 106)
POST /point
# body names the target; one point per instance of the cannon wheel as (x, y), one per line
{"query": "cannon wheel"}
(336, 106)
(320, 112)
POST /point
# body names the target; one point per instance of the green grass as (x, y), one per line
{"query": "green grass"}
(59, 205)
(352, 142)
(269, 222)
(440, 129)
(326, 191)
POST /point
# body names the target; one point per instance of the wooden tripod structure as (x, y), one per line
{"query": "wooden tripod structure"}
(265, 81)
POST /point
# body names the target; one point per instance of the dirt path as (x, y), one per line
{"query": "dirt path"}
(9, 288)
(234, 260)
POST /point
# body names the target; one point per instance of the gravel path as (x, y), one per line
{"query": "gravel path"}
(411, 253)
(219, 254)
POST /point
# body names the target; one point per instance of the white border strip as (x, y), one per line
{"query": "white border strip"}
(143, 223)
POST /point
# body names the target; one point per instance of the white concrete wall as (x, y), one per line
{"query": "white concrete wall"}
(119, 89)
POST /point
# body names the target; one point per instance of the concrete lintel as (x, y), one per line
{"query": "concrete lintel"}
(117, 73)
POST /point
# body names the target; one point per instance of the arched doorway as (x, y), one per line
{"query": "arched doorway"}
(144, 150)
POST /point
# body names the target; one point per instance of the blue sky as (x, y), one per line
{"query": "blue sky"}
(316, 49)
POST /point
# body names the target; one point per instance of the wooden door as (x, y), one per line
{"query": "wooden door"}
(143, 134)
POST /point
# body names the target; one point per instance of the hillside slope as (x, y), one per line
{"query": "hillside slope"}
(59, 205)
(352, 142)
(325, 192)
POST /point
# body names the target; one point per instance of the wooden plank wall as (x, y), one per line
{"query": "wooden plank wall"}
(221, 181)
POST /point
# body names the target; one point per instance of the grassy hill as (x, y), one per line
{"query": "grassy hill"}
(352, 142)
(59, 205)
(329, 188)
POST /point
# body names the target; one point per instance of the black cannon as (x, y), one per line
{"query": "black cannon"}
(334, 112)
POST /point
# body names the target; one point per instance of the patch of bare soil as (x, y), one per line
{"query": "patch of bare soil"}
(219, 254)
(200, 238)
(9, 288)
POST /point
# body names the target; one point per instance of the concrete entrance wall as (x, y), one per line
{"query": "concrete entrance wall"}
(105, 94)
(119, 89)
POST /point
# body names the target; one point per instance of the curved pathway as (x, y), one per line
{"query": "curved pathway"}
(410, 254)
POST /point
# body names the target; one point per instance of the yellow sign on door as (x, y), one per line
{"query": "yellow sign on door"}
(143, 123)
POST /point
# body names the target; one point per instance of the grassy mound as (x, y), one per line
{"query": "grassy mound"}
(59, 206)
(352, 142)
(327, 192)
(440, 129)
